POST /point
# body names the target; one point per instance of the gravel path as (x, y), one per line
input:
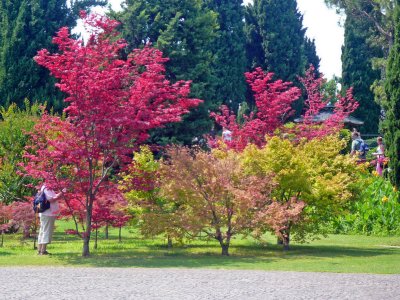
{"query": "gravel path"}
(132, 283)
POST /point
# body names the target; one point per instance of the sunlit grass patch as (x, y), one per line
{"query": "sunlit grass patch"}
(336, 253)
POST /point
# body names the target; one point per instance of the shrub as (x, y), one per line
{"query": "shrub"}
(376, 212)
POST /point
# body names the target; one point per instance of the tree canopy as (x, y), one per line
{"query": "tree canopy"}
(26, 27)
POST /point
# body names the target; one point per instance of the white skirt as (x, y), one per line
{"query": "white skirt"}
(46, 229)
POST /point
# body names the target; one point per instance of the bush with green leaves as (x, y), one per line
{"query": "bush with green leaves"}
(14, 128)
(309, 171)
(376, 212)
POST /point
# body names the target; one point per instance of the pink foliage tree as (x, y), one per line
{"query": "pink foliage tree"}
(113, 103)
(273, 101)
(24, 217)
(273, 107)
(110, 210)
(279, 217)
(5, 220)
(315, 102)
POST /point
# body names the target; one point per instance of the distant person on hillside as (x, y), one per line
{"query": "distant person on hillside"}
(380, 156)
(213, 132)
(226, 134)
(357, 146)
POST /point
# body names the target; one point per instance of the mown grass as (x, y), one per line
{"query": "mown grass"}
(337, 253)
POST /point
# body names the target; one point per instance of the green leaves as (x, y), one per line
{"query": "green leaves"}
(392, 89)
(26, 27)
(311, 171)
(14, 137)
(275, 38)
(377, 211)
(185, 31)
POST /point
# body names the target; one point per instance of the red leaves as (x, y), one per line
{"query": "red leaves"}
(5, 217)
(214, 194)
(280, 216)
(19, 215)
(315, 102)
(273, 101)
(113, 103)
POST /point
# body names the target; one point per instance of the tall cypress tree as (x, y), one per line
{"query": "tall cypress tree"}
(184, 31)
(276, 42)
(357, 71)
(276, 27)
(310, 52)
(392, 106)
(26, 27)
(229, 52)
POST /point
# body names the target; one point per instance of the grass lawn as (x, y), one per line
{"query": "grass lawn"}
(337, 253)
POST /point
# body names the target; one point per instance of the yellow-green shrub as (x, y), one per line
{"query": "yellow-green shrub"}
(313, 172)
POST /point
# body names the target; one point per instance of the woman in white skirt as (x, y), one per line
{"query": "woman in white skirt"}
(47, 220)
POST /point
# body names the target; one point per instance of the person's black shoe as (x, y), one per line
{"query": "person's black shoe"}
(45, 253)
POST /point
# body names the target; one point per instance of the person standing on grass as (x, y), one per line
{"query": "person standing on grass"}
(47, 219)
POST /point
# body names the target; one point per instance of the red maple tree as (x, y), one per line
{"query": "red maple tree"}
(5, 220)
(24, 217)
(273, 101)
(113, 103)
(315, 102)
(273, 107)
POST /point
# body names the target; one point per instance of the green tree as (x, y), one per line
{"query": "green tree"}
(310, 52)
(392, 106)
(184, 31)
(309, 172)
(381, 15)
(26, 27)
(229, 52)
(14, 126)
(357, 69)
(276, 42)
(276, 27)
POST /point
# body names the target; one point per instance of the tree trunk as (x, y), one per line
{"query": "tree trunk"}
(35, 236)
(286, 240)
(86, 237)
(106, 232)
(119, 234)
(2, 238)
(169, 242)
(95, 239)
(225, 249)
(27, 233)
(224, 245)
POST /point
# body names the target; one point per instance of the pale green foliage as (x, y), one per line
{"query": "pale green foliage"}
(194, 193)
(14, 128)
(310, 171)
(215, 196)
(154, 214)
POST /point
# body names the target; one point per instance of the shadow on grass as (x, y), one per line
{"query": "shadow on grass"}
(3, 253)
(199, 256)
